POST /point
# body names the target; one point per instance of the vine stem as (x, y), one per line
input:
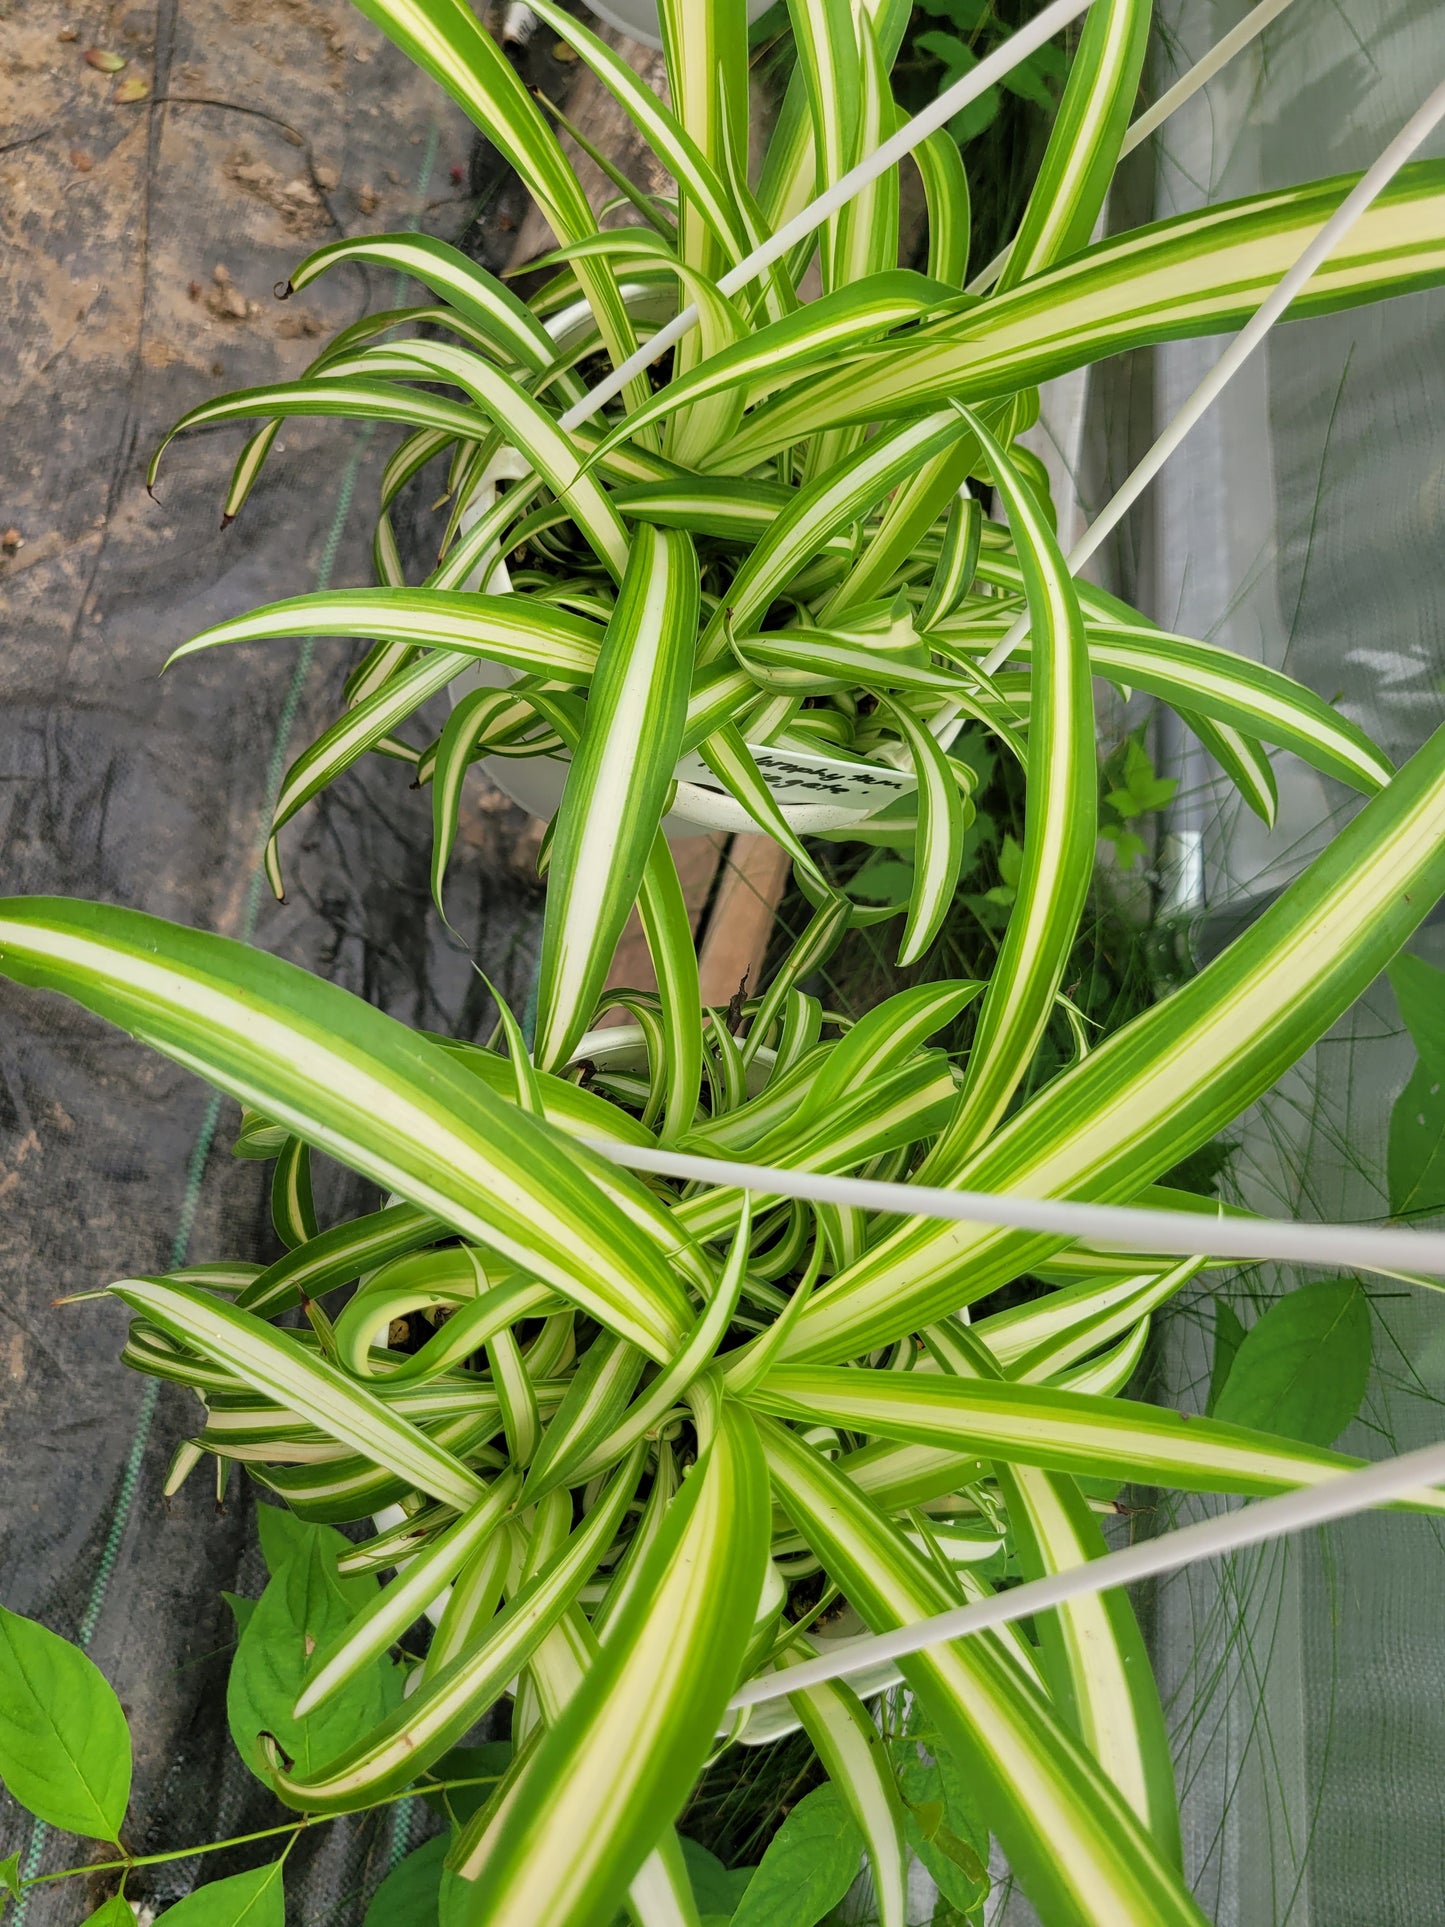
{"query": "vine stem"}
(293, 1827)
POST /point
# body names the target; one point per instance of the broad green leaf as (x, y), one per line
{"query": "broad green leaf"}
(618, 782)
(716, 1888)
(1073, 1842)
(253, 1899)
(809, 1864)
(645, 1713)
(411, 1893)
(1172, 1078)
(1303, 1367)
(1416, 1157)
(361, 1087)
(1228, 1337)
(64, 1742)
(303, 1608)
(1419, 990)
(115, 1912)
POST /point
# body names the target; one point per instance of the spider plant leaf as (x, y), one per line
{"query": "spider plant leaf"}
(447, 1702)
(1084, 142)
(938, 847)
(618, 782)
(1060, 1431)
(889, 1033)
(846, 1739)
(825, 43)
(836, 498)
(706, 49)
(489, 304)
(663, 132)
(597, 1395)
(359, 400)
(530, 428)
(480, 717)
(1245, 761)
(787, 348)
(402, 1601)
(1202, 679)
(867, 226)
(445, 38)
(359, 1086)
(274, 1364)
(1072, 1840)
(338, 1256)
(673, 1381)
(1195, 274)
(732, 763)
(957, 560)
(1093, 1652)
(950, 217)
(667, 927)
(616, 1766)
(1059, 826)
(293, 1215)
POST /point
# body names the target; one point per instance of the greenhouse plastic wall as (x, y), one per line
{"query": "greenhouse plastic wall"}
(1303, 525)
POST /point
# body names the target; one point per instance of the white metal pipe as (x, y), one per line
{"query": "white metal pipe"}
(1385, 1249)
(1337, 1498)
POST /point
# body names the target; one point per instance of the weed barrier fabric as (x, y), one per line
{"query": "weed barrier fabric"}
(143, 239)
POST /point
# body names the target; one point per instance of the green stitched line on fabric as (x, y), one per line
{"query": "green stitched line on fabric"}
(206, 1136)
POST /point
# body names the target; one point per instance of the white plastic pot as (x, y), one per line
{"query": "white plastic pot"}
(814, 792)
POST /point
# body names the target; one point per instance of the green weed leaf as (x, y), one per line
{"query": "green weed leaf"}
(1228, 1337)
(304, 1607)
(1416, 1157)
(1420, 992)
(810, 1864)
(9, 1878)
(485, 1764)
(253, 1899)
(1302, 1368)
(64, 1743)
(410, 1895)
(114, 1912)
(716, 1888)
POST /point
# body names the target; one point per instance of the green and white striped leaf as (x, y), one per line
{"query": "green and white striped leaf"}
(618, 782)
(1060, 1431)
(1074, 1843)
(1059, 827)
(1195, 274)
(451, 1699)
(617, 1765)
(1084, 143)
(358, 1085)
(274, 1364)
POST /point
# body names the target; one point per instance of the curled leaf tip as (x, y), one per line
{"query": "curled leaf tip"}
(282, 290)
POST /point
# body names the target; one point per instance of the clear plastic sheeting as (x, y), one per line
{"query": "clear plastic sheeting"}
(1303, 525)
